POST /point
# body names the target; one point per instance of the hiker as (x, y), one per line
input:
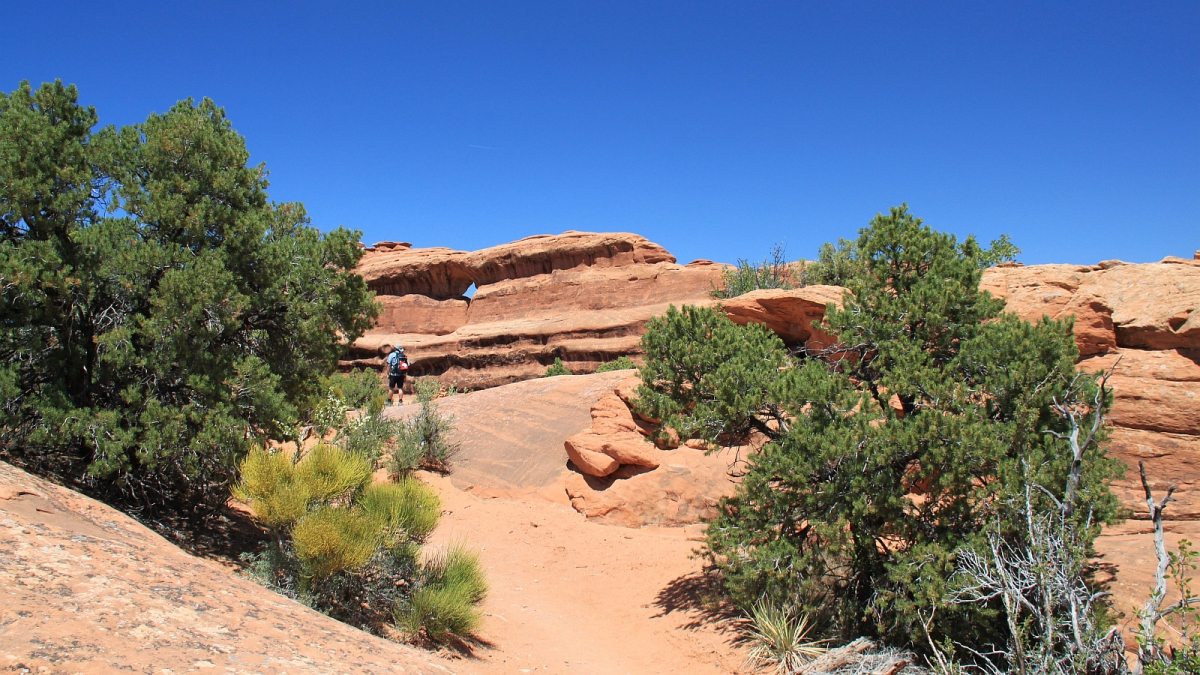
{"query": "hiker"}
(395, 364)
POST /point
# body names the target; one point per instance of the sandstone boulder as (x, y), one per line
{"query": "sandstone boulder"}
(685, 489)
(789, 313)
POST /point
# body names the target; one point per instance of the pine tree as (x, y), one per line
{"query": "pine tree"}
(160, 315)
(889, 450)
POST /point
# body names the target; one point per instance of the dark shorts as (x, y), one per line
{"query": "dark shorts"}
(395, 381)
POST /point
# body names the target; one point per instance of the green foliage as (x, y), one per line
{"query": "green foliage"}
(453, 584)
(160, 316)
(781, 638)
(709, 378)
(889, 451)
(330, 474)
(424, 439)
(773, 272)
(351, 549)
(360, 389)
(268, 485)
(1180, 618)
(330, 540)
(557, 368)
(407, 506)
(622, 363)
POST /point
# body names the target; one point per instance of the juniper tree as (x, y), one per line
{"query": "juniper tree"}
(889, 450)
(159, 313)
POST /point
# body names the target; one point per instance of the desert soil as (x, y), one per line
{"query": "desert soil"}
(572, 596)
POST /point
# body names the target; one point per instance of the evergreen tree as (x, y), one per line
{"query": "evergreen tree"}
(160, 313)
(891, 449)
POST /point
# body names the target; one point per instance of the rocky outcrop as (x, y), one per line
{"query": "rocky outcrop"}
(1142, 321)
(1116, 304)
(89, 590)
(582, 297)
(789, 313)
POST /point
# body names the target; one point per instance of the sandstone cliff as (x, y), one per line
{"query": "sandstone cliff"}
(582, 297)
(1143, 321)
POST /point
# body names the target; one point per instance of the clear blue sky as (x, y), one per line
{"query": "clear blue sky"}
(714, 129)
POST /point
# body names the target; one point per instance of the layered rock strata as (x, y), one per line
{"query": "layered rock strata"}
(582, 297)
(1141, 322)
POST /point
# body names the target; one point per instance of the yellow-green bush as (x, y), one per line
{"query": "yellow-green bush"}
(269, 487)
(453, 585)
(330, 540)
(408, 506)
(351, 549)
(329, 473)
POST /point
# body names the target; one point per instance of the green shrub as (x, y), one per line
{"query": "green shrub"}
(557, 368)
(773, 272)
(330, 540)
(931, 389)
(622, 363)
(360, 389)
(351, 549)
(453, 585)
(423, 440)
(330, 474)
(160, 316)
(407, 507)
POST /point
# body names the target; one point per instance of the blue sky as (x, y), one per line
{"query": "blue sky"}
(714, 129)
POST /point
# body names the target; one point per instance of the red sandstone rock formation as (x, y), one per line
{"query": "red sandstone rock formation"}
(790, 313)
(578, 296)
(1142, 319)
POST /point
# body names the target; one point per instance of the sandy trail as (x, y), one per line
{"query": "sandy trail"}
(572, 596)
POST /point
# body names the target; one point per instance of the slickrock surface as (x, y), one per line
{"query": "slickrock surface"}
(579, 296)
(514, 442)
(86, 589)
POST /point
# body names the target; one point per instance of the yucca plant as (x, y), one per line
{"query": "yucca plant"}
(781, 638)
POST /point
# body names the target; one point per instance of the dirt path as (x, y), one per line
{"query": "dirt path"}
(571, 596)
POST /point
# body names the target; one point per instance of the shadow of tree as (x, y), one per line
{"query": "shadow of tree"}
(701, 596)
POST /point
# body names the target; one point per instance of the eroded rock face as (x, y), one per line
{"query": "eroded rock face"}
(582, 297)
(1144, 306)
(1142, 322)
(789, 313)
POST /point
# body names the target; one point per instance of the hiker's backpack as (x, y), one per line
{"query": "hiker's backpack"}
(400, 365)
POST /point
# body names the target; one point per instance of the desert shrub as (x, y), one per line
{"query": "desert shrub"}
(890, 450)
(622, 363)
(423, 440)
(773, 272)
(360, 389)
(557, 368)
(453, 585)
(160, 315)
(351, 549)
